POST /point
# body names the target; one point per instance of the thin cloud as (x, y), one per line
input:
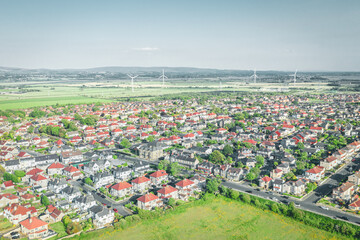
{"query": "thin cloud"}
(146, 49)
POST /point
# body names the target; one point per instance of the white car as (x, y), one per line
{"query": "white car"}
(325, 208)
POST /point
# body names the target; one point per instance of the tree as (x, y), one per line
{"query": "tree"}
(260, 160)
(212, 185)
(300, 145)
(174, 168)
(217, 157)
(66, 220)
(125, 143)
(172, 202)
(150, 139)
(246, 198)
(19, 173)
(88, 181)
(234, 194)
(164, 165)
(250, 176)
(73, 227)
(45, 201)
(274, 207)
(228, 150)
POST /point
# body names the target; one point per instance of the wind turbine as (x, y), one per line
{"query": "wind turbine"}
(254, 76)
(132, 81)
(163, 77)
(294, 75)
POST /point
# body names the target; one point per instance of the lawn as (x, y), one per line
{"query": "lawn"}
(218, 219)
(4, 224)
(59, 228)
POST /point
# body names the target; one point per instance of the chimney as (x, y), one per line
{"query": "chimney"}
(30, 220)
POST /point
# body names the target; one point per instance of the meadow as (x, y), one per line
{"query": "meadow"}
(52, 93)
(218, 218)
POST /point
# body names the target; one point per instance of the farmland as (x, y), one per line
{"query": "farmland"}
(35, 94)
(217, 219)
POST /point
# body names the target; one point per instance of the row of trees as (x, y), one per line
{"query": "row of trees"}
(53, 130)
(172, 168)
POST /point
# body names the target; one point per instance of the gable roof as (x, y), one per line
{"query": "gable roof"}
(121, 185)
(140, 180)
(184, 183)
(158, 174)
(32, 223)
(167, 190)
(147, 198)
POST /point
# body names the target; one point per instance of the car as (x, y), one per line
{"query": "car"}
(248, 191)
(68, 179)
(325, 208)
(257, 189)
(115, 210)
(164, 185)
(297, 205)
(104, 204)
(286, 197)
(275, 199)
(353, 160)
(99, 194)
(103, 196)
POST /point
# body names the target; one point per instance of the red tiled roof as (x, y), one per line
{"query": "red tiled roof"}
(184, 183)
(316, 170)
(167, 190)
(38, 177)
(158, 174)
(56, 165)
(266, 179)
(71, 169)
(147, 198)
(121, 185)
(34, 171)
(140, 180)
(8, 183)
(34, 223)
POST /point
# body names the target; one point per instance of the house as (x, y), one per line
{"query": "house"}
(70, 193)
(121, 189)
(199, 181)
(344, 192)
(8, 198)
(34, 228)
(159, 177)
(315, 174)
(55, 168)
(91, 168)
(71, 157)
(355, 178)
(168, 192)
(140, 184)
(141, 167)
(72, 172)
(355, 205)
(16, 213)
(7, 185)
(265, 182)
(295, 187)
(122, 173)
(84, 202)
(185, 161)
(101, 215)
(56, 185)
(276, 173)
(206, 167)
(329, 162)
(102, 179)
(186, 188)
(39, 180)
(52, 214)
(234, 174)
(151, 151)
(278, 185)
(149, 201)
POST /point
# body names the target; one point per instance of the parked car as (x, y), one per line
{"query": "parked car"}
(115, 210)
(325, 208)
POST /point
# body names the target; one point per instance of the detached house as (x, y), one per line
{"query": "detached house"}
(101, 215)
(72, 172)
(186, 188)
(149, 201)
(158, 177)
(102, 179)
(168, 192)
(141, 184)
(34, 228)
(121, 189)
(344, 192)
(315, 174)
(55, 168)
(265, 182)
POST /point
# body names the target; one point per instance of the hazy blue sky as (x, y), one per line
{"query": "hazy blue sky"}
(267, 34)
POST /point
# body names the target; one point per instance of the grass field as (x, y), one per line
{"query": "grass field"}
(51, 93)
(217, 219)
(59, 228)
(4, 224)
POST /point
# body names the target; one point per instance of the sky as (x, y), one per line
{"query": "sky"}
(308, 35)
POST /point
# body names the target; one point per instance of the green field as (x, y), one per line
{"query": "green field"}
(217, 219)
(51, 93)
